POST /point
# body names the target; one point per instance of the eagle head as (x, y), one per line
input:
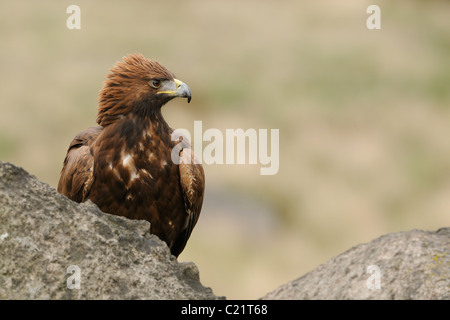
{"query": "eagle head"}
(140, 86)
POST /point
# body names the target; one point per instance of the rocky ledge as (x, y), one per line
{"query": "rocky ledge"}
(54, 248)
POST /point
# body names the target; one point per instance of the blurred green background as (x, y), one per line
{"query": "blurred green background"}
(364, 116)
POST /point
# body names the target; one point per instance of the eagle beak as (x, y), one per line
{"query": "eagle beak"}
(181, 90)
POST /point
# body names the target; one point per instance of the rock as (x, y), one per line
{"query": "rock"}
(48, 243)
(410, 265)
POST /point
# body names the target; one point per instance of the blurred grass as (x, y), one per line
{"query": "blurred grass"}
(364, 116)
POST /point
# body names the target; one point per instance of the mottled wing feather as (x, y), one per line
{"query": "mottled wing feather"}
(192, 180)
(77, 172)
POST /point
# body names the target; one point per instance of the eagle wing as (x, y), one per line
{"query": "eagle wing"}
(77, 173)
(192, 181)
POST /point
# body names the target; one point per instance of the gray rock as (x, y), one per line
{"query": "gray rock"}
(409, 265)
(48, 243)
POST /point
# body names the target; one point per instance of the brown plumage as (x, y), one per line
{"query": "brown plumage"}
(125, 166)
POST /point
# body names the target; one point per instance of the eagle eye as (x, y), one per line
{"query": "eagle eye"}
(155, 83)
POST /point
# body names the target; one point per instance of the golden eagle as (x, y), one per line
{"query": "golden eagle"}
(124, 165)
